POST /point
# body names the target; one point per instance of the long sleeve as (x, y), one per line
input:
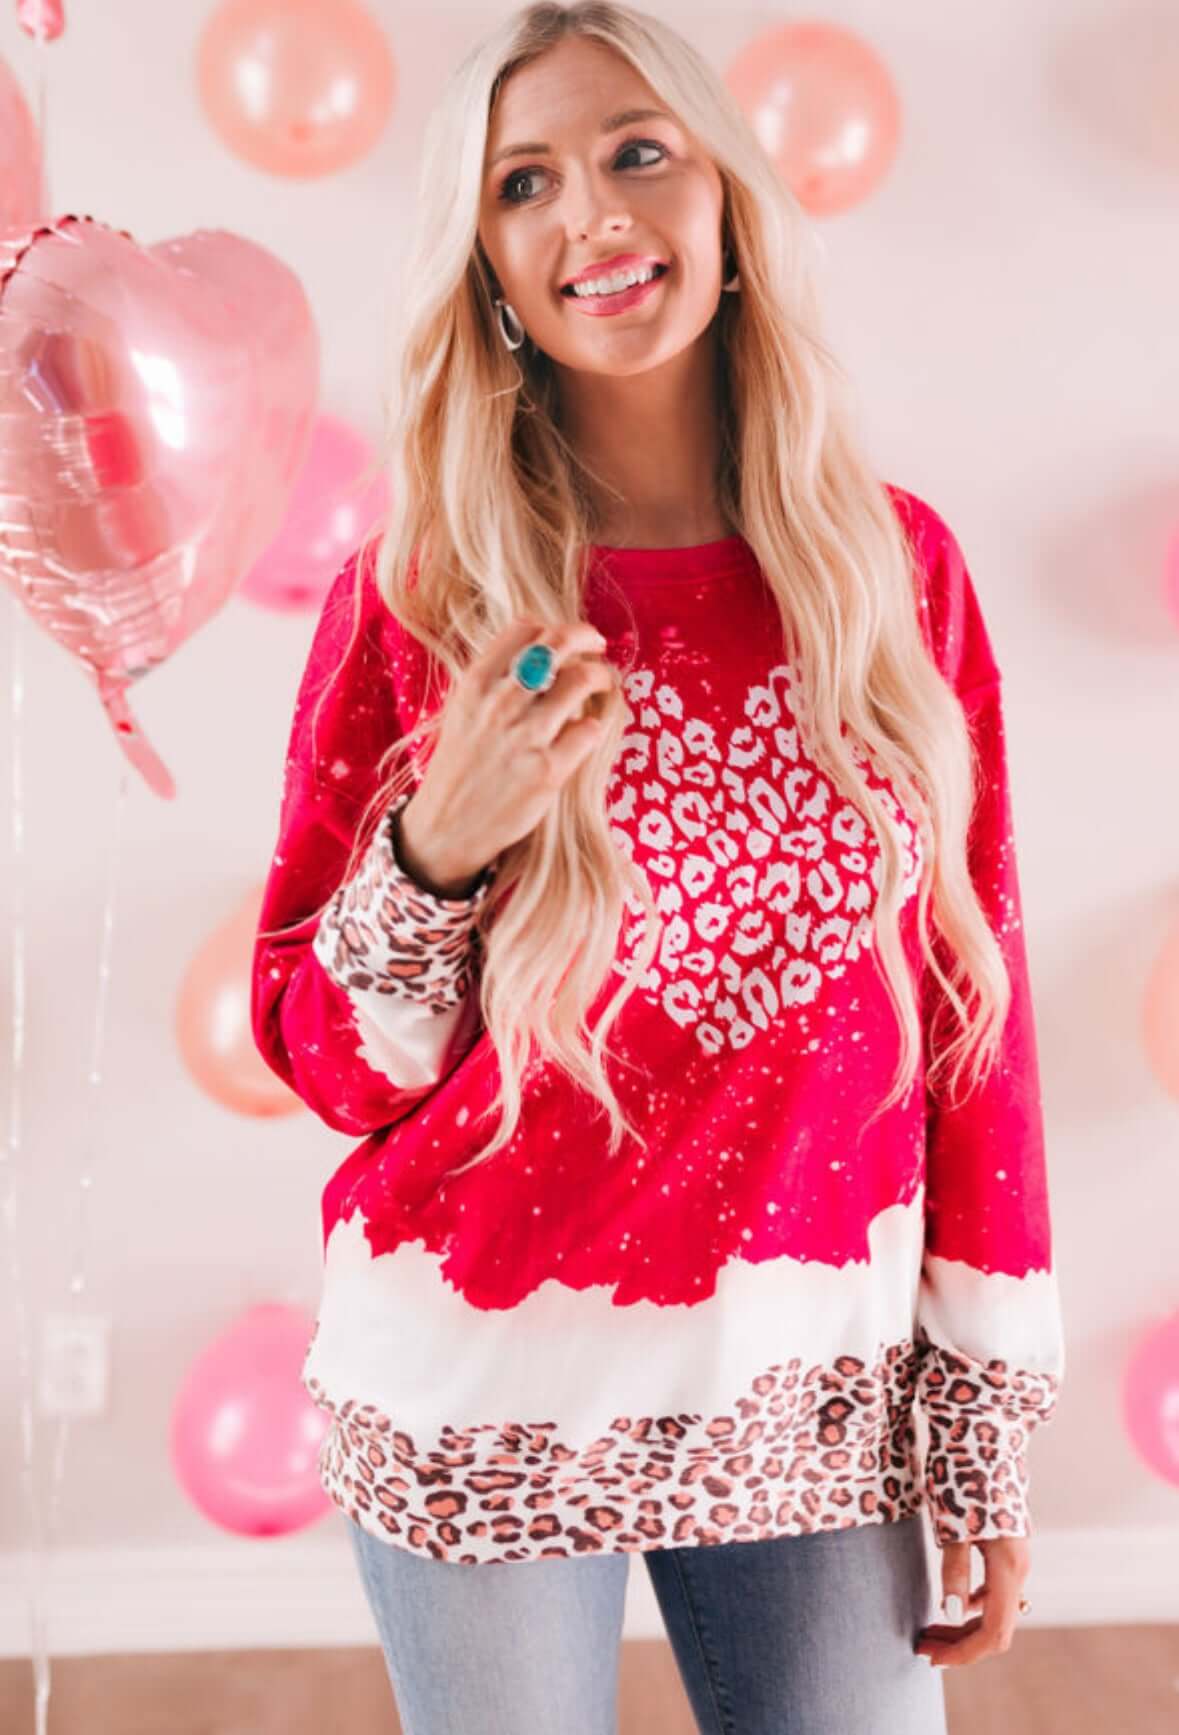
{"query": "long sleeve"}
(360, 1005)
(988, 1315)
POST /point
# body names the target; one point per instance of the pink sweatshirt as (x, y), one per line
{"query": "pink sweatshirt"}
(735, 1333)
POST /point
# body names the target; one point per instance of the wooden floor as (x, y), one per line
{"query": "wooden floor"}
(1066, 1681)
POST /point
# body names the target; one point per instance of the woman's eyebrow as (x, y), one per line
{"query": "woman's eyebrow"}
(611, 124)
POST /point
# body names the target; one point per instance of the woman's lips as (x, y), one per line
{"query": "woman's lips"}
(620, 300)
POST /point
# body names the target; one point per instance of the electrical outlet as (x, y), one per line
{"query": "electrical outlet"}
(75, 1364)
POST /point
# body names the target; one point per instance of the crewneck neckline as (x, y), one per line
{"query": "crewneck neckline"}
(728, 557)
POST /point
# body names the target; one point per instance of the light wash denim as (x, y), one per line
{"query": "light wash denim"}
(797, 1635)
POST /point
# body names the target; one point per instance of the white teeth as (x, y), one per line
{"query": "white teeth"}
(612, 284)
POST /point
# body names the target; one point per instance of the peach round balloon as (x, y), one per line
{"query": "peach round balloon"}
(1160, 1014)
(22, 193)
(155, 406)
(245, 1435)
(212, 1021)
(333, 506)
(297, 87)
(825, 108)
(1150, 1398)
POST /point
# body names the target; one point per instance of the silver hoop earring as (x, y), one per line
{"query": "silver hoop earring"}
(506, 309)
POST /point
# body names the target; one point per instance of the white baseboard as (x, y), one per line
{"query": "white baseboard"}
(291, 1592)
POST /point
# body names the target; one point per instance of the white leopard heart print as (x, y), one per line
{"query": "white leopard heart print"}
(765, 878)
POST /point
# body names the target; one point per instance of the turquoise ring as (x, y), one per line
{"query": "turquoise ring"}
(533, 669)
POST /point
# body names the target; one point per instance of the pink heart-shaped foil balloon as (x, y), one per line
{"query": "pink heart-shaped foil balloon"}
(155, 407)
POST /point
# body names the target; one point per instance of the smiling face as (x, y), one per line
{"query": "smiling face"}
(576, 195)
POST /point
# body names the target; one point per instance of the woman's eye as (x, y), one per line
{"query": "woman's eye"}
(505, 192)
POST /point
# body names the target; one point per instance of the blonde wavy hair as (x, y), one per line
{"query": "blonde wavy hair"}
(490, 522)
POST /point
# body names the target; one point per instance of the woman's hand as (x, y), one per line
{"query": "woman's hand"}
(502, 754)
(1007, 1562)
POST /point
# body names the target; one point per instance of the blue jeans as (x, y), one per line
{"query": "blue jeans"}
(797, 1635)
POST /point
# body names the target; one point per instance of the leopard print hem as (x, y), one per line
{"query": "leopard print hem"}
(804, 1449)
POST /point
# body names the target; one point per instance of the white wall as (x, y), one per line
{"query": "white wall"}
(1005, 305)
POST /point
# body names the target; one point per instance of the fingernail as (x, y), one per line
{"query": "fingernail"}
(952, 1607)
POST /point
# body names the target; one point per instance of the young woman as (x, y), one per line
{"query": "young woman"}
(646, 896)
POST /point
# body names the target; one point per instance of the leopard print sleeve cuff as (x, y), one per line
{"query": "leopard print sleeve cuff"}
(980, 1419)
(384, 933)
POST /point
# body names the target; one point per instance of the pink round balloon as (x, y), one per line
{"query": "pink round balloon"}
(297, 87)
(22, 192)
(1171, 576)
(1150, 1399)
(212, 1021)
(43, 19)
(155, 407)
(245, 1435)
(825, 108)
(332, 510)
